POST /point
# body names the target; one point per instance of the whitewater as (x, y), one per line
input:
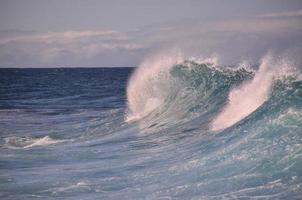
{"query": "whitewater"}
(173, 128)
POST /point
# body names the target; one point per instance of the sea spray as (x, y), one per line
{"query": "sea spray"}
(146, 91)
(246, 98)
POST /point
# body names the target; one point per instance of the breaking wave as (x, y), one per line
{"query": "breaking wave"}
(171, 90)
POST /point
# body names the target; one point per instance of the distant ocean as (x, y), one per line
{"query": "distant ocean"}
(191, 131)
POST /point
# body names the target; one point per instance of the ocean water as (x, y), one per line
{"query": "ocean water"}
(192, 130)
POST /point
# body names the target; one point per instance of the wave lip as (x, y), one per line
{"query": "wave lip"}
(146, 88)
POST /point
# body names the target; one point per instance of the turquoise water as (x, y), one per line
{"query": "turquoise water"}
(82, 134)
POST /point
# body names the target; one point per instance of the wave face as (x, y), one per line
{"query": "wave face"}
(170, 129)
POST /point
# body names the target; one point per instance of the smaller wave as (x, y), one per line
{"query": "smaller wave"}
(247, 98)
(29, 142)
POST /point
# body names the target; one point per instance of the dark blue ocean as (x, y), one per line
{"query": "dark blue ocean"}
(193, 131)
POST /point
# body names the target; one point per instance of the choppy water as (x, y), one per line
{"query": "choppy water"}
(178, 133)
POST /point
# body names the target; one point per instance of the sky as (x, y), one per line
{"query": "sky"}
(117, 33)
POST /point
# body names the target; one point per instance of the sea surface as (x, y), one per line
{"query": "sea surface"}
(190, 131)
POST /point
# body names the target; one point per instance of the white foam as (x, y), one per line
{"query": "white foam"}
(245, 99)
(78, 186)
(44, 141)
(28, 142)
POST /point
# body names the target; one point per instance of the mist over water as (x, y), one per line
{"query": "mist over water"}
(175, 128)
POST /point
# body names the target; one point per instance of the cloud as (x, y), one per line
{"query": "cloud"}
(58, 36)
(233, 40)
(296, 13)
(70, 48)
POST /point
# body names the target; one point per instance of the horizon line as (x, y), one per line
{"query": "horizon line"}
(63, 67)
